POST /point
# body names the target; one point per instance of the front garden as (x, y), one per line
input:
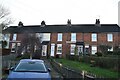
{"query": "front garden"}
(98, 71)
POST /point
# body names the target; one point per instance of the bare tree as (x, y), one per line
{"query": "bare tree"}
(28, 44)
(5, 18)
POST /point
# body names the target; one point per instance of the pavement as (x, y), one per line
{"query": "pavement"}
(54, 74)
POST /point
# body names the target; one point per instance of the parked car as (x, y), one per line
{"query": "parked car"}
(30, 69)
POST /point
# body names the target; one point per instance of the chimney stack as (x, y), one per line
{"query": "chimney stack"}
(97, 23)
(69, 22)
(43, 23)
(20, 24)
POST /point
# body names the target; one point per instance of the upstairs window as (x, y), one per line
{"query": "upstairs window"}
(110, 37)
(59, 37)
(73, 36)
(14, 36)
(94, 37)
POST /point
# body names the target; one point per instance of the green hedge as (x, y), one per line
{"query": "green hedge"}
(112, 63)
(107, 62)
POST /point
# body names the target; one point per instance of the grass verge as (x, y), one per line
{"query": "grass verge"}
(83, 66)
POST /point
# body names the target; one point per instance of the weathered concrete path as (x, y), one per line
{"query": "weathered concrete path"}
(54, 74)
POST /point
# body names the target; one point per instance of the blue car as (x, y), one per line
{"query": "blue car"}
(30, 69)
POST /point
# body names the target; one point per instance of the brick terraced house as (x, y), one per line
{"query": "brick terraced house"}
(63, 39)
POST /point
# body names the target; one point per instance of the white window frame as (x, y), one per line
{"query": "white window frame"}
(93, 49)
(109, 37)
(73, 36)
(111, 49)
(44, 50)
(94, 37)
(72, 49)
(59, 38)
(59, 45)
(14, 37)
(52, 50)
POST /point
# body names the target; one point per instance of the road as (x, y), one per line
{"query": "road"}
(54, 74)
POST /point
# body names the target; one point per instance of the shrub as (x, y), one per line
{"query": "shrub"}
(103, 62)
(107, 62)
(26, 56)
(57, 56)
(99, 54)
(37, 54)
(72, 57)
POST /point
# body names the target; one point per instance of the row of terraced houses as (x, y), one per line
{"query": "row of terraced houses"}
(63, 39)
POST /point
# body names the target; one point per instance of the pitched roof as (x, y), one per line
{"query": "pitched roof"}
(86, 28)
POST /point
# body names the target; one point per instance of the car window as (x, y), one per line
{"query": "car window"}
(31, 66)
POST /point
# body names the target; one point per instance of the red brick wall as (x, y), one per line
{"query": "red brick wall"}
(119, 39)
(115, 39)
(20, 37)
(86, 37)
(53, 37)
(102, 38)
(79, 36)
(65, 46)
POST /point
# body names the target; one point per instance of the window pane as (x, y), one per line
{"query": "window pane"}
(73, 36)
(111, 49)
(94, 37)
(59, 48)
(72, 49)
(94, 49)
(59, 36)
(14, 36)
(109, 37)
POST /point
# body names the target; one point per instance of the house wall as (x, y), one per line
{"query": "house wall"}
(86, 38)
(80, 37)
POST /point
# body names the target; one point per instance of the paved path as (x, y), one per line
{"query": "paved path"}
(54, 74)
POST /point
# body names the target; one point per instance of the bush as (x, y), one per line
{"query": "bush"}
(57, 56)
(26, 56)
(99, 54)
(5, 51)
(37, 54)
(103, 62)
(72, 57)
(107, 62)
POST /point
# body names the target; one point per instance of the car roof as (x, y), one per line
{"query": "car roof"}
(28, 60)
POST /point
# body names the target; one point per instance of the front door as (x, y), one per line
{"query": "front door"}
(80, 49)
(52, 50)
(44, 50)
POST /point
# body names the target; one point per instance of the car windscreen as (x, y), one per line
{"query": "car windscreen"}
(30, 67)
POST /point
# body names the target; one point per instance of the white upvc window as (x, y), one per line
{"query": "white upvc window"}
(94, 49)
(59, 48)
(110, 37)
(111, 49)
(14, 36)
(73, 36)
(52, 49)
(94, 37)
(72, 49)
(59, 37)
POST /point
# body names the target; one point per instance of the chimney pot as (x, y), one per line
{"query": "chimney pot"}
(20, 24)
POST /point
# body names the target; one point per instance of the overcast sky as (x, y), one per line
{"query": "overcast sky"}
(32, 12)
